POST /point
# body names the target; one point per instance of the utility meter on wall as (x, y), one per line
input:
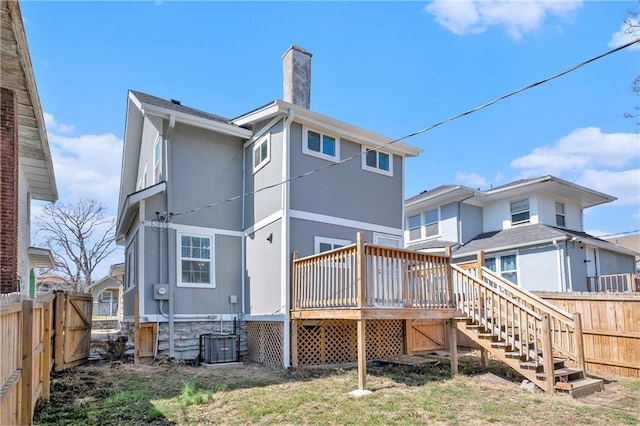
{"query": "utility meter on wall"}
(160, 292)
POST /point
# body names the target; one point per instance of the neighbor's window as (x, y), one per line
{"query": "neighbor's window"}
(519, 211)
(431, 223)
(157, 159)
(413, 225)
(106, 296)
(323, 244)
(130, 275)
(320, 145)
(195, 262)
(560, 217)
(261, 153)
(377, 161)
(505, 265)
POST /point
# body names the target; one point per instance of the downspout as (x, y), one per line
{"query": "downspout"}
(285, 231)
(171, 278)
(569, 281)
(243, 249)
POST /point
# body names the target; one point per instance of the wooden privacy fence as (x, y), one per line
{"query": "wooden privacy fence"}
(611, 329)
(25, 359)
(36, 335)
(614, 283)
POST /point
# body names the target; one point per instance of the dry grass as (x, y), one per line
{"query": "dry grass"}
(250, 394)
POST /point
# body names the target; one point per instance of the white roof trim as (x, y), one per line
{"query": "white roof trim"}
(126, 214)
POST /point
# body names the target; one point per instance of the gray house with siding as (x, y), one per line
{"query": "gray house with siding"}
(531, 233)
(212, 209)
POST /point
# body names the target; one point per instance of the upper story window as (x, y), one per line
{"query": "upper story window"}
(157, 159)
(431, 223)
(520, 211)
(323, 244)
(560, 216)
(261, 153)
(377, 161)
(320, 145)
(195, 261)
(414, 226)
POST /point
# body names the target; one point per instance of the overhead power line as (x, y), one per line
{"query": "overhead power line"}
(426, 129)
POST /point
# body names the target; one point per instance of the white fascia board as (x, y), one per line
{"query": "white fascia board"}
(347, 223)
(332, 126)
(201, 122)
(605, 197)
(131, 202)
(431, 197)
(190, 229)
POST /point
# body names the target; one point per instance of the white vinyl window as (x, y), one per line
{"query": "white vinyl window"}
(130, 268)
(414, 224)
(106, 296)
(505, 265)
(377, 161)
(322, 244)
(157, 159)
(431, 219)
(519, 211)
(320, 145)
(560, 215)
(195, 261)
(387, 240)
(261, 153)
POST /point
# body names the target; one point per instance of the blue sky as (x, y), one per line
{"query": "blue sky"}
(389, 67)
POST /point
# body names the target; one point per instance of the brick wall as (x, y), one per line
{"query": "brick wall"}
(8, 192)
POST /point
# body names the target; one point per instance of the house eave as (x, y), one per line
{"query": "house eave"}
(130, 206)
(41, 257)
(331, 125)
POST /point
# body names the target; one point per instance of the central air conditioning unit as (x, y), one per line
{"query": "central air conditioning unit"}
(215, 349)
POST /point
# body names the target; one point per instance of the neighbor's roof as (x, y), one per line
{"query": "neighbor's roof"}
(17, 76)
(431, 244)
(146, 99)
(528, 235)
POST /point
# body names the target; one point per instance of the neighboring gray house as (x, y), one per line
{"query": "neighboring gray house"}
(531, 232)
(208, 228)
(107, 294)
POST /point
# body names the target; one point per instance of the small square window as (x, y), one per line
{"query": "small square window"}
(320, 145)
(377, 161)
(519, 211)
(261, 153)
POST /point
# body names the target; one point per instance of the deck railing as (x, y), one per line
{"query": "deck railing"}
(614, 283)
(364, 275)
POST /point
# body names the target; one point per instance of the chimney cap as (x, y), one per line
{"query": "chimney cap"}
(298, 48)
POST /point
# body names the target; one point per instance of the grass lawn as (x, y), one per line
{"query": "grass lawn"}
(166, 394)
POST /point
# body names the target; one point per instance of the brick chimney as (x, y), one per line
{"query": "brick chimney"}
(296, 79)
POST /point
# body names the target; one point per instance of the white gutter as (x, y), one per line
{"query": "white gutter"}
(514, 246)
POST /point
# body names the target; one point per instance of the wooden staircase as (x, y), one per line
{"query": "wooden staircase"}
(537, 339)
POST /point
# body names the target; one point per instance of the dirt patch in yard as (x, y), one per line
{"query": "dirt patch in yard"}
(121, 393)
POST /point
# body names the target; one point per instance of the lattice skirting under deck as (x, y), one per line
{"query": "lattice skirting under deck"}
(265, 341)
(335, 341)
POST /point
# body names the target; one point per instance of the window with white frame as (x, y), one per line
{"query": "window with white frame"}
(431, 219)
(130, 273)
(157, 159)
(195, 261)
(504, 265)
(519, 211)
(414, 226)
(261, 153)
(387, 240)
(322, 244)
(106, 296)
(560, 216)
(320, 145)
(377, 161)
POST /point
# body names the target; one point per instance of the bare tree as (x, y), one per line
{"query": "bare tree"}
(79, 235)
(633, 27)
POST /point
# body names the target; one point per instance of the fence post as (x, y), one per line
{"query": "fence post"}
(59, 332)
(27, 362)
(360, 271)
(47, 319)
(547, 354)
(579, 342)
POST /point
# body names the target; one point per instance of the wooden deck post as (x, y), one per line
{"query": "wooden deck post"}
(294, 293)
(547, 354)
(360, 271)
(480, 260)
(453, 346)
(362, 355)
(451, 296)
(484, 358)
(579, 342)
(294, 343)
(26, 375)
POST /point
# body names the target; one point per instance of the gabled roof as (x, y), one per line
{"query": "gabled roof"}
(319, 121)
(173, 105)
(17, 75)
(455, 192)
(530, 235)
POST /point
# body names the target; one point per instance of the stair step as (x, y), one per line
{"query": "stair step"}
(500, 344)
(560, 372)
(580, 387)
(485, 334)
(532, 365)
(513, 354)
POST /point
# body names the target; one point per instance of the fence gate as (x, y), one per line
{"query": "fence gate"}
(424, 336)
(72, 329)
